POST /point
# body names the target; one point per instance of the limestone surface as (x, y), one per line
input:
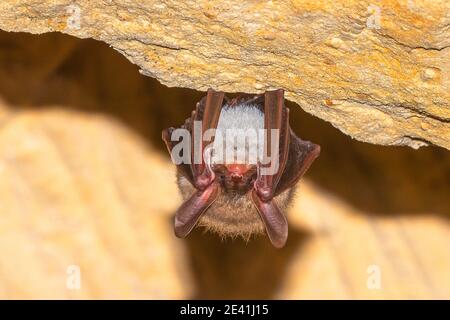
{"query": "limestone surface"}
(377, 70)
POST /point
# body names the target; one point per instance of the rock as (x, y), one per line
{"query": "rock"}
(379, 73)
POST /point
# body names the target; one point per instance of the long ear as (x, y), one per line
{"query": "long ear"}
(274, 221)
(208, 112)
(301, 155)
(276, 117)
(192, 209)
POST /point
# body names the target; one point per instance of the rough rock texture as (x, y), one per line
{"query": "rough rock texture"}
(85, 181)
(377, 70)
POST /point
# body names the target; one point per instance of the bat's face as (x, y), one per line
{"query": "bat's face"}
(235, 178)
(243, 180)
(235, 172)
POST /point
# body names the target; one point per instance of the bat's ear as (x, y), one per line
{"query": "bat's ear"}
(276, 117)
(192, 209)
(208, 112)
(273, 219)
(301, 155)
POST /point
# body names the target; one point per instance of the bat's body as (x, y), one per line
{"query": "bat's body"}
(233, 213)
(235, 196)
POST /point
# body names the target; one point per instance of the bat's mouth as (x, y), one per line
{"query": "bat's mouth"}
(236, 178)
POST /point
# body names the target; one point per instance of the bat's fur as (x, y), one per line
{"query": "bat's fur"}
(242, 116)
(234, 214)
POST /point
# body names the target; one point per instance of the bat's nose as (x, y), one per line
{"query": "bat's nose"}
(236, 177)
(237, 171)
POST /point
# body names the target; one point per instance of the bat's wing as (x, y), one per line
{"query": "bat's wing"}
(301, 156)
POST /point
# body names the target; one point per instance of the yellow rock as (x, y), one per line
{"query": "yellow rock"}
(382, 62)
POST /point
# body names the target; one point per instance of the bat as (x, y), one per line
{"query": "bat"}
(248, 192)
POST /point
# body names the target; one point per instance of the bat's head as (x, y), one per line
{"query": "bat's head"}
(243, 179)
(236, 148)
(234, 164)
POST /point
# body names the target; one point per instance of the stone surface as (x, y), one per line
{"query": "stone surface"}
(377, 70)
(85, 181)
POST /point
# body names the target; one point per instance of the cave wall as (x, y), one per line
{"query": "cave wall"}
(85, 181)
(377, 70)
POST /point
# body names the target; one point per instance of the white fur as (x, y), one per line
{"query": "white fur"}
(234, 122)
(241, 117)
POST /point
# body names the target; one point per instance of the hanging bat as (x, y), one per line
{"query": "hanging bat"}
(234, 198)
